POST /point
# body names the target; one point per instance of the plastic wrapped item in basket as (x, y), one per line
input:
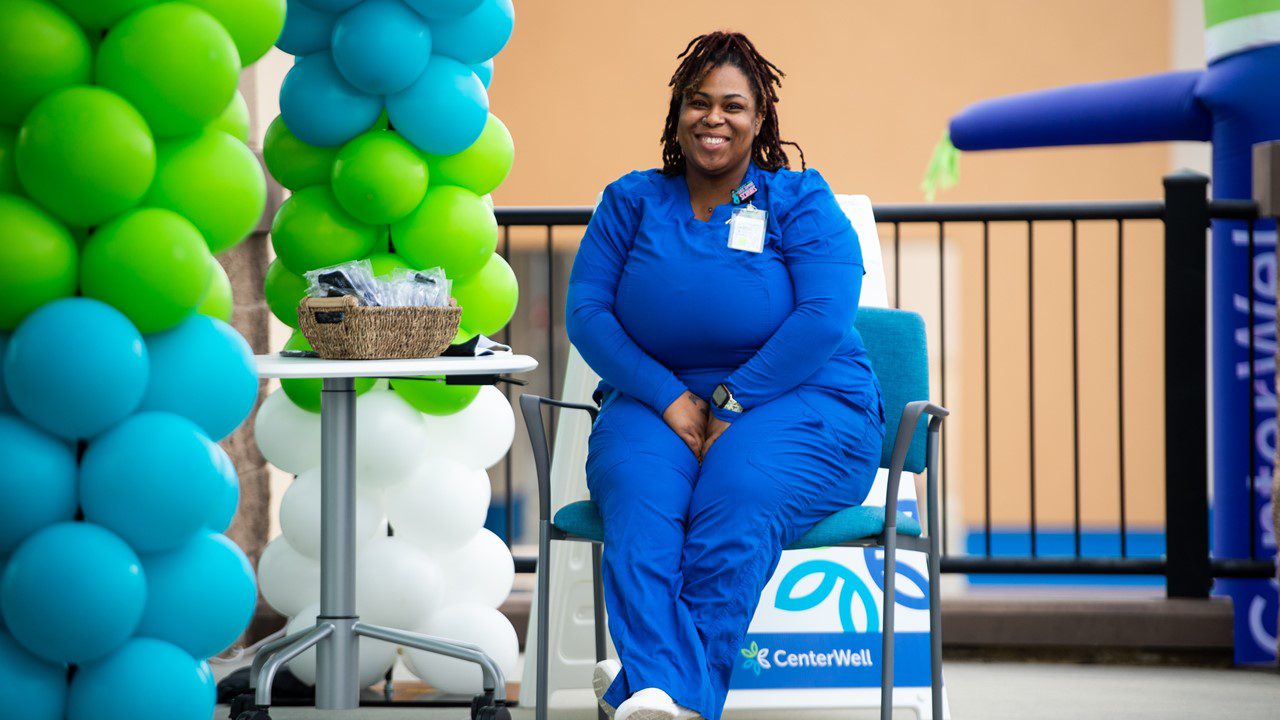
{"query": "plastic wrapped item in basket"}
(340, 328)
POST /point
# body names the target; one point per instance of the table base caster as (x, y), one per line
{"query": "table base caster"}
(483, 707)
(239, 704)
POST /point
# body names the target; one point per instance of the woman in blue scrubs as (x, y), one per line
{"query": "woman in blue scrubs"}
(715, 298)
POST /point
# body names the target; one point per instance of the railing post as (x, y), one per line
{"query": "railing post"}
(1186, 377)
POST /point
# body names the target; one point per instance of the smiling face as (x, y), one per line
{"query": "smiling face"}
(719, 121)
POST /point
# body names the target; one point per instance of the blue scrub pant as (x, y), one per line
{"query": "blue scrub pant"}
(689, 548)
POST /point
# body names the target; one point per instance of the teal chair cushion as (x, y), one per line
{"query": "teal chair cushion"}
(582, 519)
(895, 342)
(853, 523)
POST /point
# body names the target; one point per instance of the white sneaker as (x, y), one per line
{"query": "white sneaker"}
(648, 704)
(602, 678)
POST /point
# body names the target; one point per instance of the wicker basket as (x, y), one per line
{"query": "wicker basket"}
(341, 329)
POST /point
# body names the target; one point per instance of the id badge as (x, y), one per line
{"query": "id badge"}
(747, 229)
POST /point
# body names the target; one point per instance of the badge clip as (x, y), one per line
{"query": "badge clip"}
(744, 193)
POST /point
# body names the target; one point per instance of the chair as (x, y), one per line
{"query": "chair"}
(895, 341)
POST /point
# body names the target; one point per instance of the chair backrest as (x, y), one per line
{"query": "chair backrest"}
(895, 340)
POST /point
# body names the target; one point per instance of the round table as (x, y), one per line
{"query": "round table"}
(338, 628)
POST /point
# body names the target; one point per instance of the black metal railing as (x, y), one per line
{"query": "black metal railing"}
(1183, 215)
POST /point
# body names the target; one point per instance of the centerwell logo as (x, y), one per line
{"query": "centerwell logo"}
(759, 659)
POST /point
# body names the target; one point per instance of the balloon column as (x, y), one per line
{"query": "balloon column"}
(123, 169)
(386, 140)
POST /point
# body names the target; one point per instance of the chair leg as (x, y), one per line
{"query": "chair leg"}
(890, 601)
(597, 592)
(544, 618)
(935, 629)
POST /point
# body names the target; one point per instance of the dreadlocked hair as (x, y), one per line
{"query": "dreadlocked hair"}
(702, 55)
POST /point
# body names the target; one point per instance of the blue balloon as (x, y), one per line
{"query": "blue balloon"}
(445, 111)
(224, 510)
(6, 406)
(200, 597)
(443, 9)
(75, 367)
(381, 46)
(306, 30)
(37, 481)
(484, 71)
(478, 35)
(320, 107)
(331, 6)
(174, 685)
(210, 682)
(72, 592)
(31, 687)
(153, 480)
(202, 370)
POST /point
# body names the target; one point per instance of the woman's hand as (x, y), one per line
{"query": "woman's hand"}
(687, 417)
(715, 428)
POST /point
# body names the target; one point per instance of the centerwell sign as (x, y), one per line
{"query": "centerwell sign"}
(816, 638)
(758, 659)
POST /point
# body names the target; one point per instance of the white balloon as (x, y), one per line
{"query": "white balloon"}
(390, 438)
(441, 507)
(376, 656)
(289, 580)
(397, 585)
(288, 436)
(478, 573)
(482, 626)
(479, 435)
(300, 514)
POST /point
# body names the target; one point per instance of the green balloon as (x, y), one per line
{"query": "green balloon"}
(85, 154)
(98, 15)
(462, 336)
(234, 121)
(385, 263)
(488, 298)
(452, 229)
(483, 166)
(254, 25)
(175, 63)
(305, 392)
(41, 50)
(379, 177)
(214, 181)
(293, 163)
(313, 231)
(488, 200)
(8, 171)
(38, 259)
(435, 398)
(150, 264)
(218, 302)
(284, 290)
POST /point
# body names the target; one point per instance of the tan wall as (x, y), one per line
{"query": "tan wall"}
(869, 88)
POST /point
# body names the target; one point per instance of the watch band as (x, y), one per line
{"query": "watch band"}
(730, 403)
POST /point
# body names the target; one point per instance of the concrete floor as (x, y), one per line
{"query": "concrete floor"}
(999, 691)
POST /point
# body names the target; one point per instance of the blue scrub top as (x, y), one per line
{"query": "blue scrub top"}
(658, 303)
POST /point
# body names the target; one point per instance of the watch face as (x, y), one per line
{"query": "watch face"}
(720, 396)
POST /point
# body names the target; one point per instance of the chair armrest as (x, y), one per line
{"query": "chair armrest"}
(531, 408)
(911, 414)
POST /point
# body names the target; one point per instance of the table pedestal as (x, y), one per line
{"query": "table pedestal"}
(338, 628)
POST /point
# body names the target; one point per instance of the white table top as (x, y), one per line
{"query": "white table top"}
(275, 366)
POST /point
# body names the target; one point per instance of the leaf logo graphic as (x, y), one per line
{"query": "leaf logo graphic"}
(757, 658)
(830, 575)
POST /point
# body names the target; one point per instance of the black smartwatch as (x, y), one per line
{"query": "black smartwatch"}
(723, 399)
